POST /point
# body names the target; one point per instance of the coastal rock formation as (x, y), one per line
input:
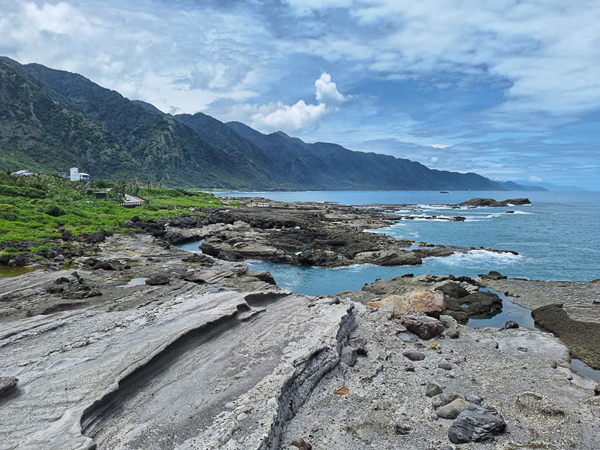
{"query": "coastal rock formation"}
(220, 357)
(458, 297)
(313, 234)
(425, 301)
(581, 337)
(478, 202)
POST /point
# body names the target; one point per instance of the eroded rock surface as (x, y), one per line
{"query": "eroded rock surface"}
(315, 234)
(220, 357)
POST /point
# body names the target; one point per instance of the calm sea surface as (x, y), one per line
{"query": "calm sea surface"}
(557, 237)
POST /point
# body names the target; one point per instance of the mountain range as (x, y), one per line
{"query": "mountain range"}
(51, 120)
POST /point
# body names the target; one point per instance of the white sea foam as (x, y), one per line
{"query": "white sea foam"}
(479, 257)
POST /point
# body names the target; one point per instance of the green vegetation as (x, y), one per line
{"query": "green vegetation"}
(36, 209)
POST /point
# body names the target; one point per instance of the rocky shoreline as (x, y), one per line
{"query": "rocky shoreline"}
(143, 345)
(311, 234)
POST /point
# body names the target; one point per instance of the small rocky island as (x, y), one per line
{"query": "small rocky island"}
(143, 345)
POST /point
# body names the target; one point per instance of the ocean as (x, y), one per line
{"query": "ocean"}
(556, 237)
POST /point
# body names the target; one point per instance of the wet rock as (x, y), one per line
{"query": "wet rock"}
(453, 289)
(349, 356)
(476, 424)
(433, 389)
(510, 324)
(452, 409)
(423, 326)
(580, 337)
(414, 356)
(158, 280)
(445, 366)
(7, 384)
(597, 389)
(474, 304)
(493, 275)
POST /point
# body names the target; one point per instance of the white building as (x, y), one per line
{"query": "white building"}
(23, 173)
(76, 175)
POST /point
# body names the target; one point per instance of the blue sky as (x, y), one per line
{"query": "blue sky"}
(508, 89)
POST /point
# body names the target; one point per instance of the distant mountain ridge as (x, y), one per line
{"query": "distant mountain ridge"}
(51, 120)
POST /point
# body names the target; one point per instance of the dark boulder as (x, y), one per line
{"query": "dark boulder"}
(423, 326)
(476, 424)
(158, 280)
(7, 384)
(452, 289)
(414, 356)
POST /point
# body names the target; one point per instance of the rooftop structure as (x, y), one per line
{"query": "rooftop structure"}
(76, 175)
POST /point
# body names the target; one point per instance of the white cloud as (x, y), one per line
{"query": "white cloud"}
(434, 159)
(535, 178)
(326, 90)
(439, 145)
(277, 116)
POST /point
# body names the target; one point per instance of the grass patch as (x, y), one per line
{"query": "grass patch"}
(37, 208)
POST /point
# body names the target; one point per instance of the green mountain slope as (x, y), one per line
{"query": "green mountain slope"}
(42, 134)
(162, 147)
(322, 165)
(51, 120)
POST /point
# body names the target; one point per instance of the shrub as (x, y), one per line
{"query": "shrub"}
(54, 211)
(8, 212)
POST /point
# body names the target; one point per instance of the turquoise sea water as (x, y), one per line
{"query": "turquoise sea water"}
(557, 238)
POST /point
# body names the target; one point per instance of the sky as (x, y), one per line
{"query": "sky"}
(507, 89)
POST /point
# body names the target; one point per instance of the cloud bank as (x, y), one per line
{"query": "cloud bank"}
(506, 86)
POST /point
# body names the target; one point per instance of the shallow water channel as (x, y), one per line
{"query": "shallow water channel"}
(510, 310)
